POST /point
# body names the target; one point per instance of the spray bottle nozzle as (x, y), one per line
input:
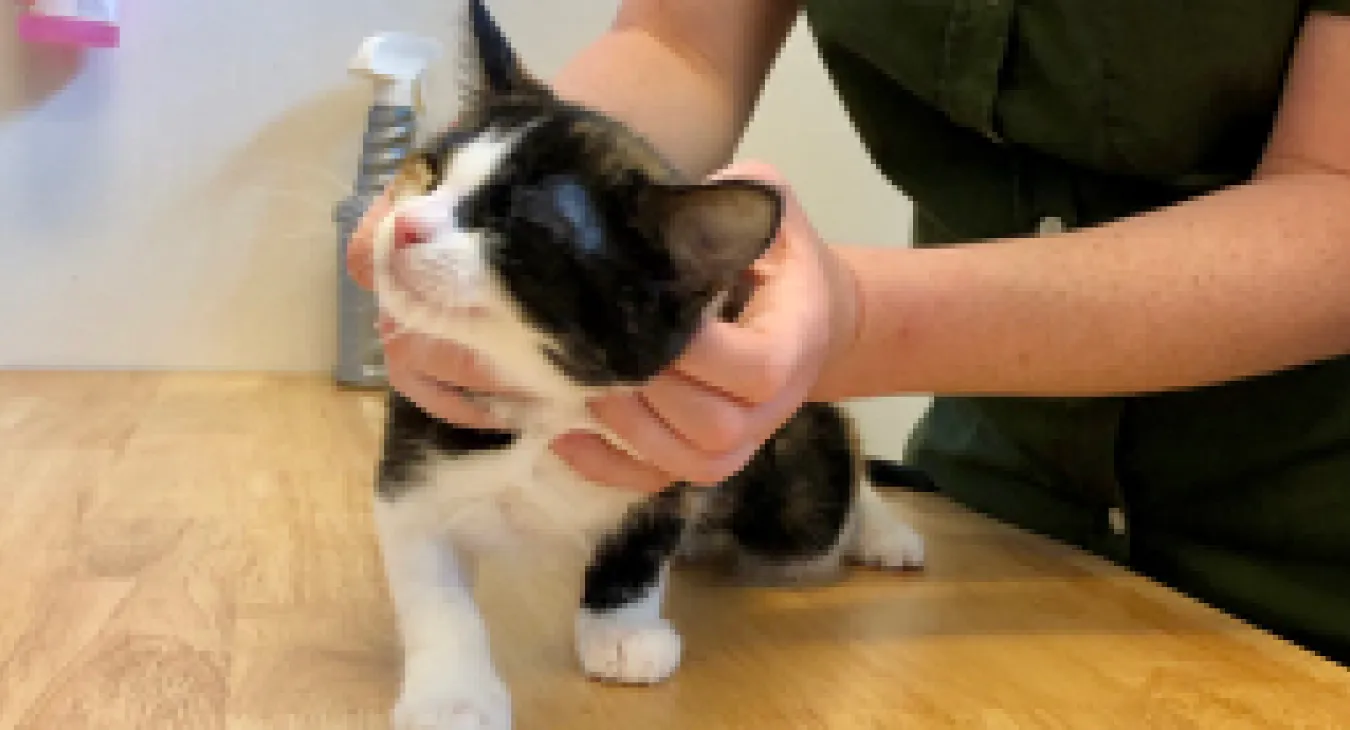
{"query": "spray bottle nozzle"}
(396, 62)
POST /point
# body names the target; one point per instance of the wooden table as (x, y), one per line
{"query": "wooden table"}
(195, 551)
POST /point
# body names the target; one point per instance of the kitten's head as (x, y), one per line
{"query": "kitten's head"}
(536, 229)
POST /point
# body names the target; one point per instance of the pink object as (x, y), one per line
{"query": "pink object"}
(67, 30)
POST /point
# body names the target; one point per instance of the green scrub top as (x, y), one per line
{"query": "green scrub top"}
(1004, 118)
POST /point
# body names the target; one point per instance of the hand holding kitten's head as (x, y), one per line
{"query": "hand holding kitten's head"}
(532, 226)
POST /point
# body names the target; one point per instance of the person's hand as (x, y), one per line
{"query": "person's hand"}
(703, 419)
(431, 373)
(361, 246)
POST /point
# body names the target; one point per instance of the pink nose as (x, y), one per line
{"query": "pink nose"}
(408, 232)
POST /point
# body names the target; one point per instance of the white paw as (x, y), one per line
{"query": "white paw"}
(890, 544)
(452, 700)
(627, 652)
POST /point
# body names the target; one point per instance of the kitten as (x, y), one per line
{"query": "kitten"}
(562, 249)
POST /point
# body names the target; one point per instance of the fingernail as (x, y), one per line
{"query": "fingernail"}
(567, 440)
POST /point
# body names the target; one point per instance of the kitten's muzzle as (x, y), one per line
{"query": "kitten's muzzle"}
(409, 232)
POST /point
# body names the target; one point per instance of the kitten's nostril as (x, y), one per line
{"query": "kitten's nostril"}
(408, 232)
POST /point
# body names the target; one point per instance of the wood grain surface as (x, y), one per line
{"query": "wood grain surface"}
(195, 551)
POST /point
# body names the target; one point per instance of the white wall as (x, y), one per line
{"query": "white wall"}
(167, 204)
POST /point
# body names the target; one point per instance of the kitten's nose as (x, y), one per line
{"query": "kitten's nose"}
(408, 232)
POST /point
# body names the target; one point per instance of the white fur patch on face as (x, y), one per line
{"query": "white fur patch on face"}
(445, 277)
(475, 162)
(444, 287)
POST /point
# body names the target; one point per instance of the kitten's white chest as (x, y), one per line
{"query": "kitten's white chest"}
(523, 497)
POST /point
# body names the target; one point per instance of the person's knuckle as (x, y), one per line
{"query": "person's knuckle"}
(616, 414)
(729, 466)
(724, 429)
(397, 377)
(441, 359)
(617, 469)
(711, 471)
(652, 480)
(467, 361)
(436, 358)
(769, 377)
(703, 474)
(753, 386)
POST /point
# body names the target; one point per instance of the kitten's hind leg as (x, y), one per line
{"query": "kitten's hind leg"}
(803, 507)
(621, 635)
(449, 682)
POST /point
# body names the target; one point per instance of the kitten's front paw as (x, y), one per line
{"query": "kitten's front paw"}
(627, 653)
(890, 544)
(452, 700)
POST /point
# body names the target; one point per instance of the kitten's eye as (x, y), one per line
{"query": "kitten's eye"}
(434, 166)
(417, 176)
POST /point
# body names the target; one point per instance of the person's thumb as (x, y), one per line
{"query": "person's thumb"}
(361, 246)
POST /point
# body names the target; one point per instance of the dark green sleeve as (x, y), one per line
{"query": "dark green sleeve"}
(1339, 7)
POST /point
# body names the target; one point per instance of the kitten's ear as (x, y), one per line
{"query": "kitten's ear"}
(717, 230)
(455, 90)
(491, 65)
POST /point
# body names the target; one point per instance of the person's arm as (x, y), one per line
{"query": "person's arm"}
(685, 74)
(1252, 279)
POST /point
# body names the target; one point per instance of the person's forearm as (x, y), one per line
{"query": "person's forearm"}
(1250, 280)
(630, 76)
(692, 103)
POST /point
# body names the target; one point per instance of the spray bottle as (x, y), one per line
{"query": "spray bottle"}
(394, 62)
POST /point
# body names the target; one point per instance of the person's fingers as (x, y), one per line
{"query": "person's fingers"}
(449, 362)
(386, 328)
(436, 397)
(755, 357)
(709, 419)
(598, 461)
(633, 420)
(360, 248)
(444, 403)
(751, 357)
(747, 363)
(705, 418)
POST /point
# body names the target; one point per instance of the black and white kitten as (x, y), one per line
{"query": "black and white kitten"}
(562, 249)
